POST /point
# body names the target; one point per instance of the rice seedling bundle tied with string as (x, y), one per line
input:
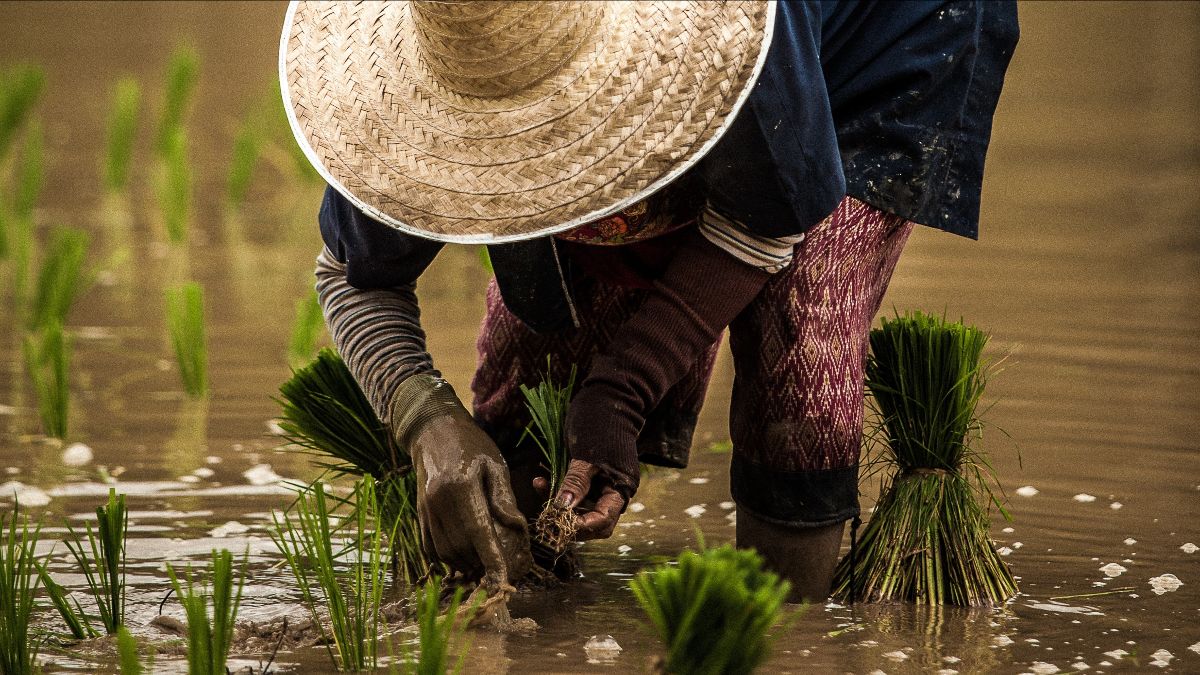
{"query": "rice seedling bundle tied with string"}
(326, 413)
(927, 541)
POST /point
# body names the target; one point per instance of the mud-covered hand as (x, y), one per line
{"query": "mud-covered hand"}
(469, 518)
(702, 290)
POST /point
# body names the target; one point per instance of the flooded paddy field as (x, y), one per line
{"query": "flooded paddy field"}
(1087, 273)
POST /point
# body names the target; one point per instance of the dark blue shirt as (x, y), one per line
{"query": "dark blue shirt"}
(890, 102)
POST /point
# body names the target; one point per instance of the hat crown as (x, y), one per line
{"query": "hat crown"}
(493, 48)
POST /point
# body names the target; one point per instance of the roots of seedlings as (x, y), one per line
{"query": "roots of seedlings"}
(556, 527)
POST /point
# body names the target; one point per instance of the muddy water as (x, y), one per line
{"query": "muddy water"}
(1087, 274)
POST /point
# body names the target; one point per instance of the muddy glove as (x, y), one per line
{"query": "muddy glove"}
(702, 290)
(469, 519)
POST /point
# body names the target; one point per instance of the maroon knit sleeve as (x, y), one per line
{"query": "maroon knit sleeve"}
(702, 290)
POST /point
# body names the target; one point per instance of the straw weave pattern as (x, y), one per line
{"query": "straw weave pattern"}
(509, 118)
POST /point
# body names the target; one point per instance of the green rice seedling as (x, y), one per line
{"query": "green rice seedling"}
(127, 653)
(350, 589)
(20, 88)
(103, 561)
(210, 634)
(325, 413)
(713, 610)
(246, 148)
(436, 631)
(122, 132)
(47, 360)
(183, 72)
(307, 329)
(24, 199)
(30, 172)
(185, 323)
(67, 606)
(175, 188)
(547, 404)
(927, 541)
(19, 580)
(60, 279)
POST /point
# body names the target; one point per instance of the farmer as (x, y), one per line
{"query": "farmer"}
(646, 176)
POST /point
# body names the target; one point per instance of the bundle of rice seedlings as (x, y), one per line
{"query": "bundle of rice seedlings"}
(210, 634)
(325, 412)
(47, 360)
(547, 404)
(185, 323)
(20, 88)
(19, 580)
(175, 188)
(122, 132)
(103, 561)
(350, 586)
(927, 541)
(307, 329)
(183, 72)
(713, 610)
(60, 279)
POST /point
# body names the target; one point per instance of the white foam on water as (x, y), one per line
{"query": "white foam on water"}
(637, 507)
(1004, 550)
(725, 506)
(1114, 506)
(698, 481)
(261, 474)
(203, 472)
(25, 495)
(77, 454)
(1189, 548)
(1043, 668)
(1008, 530)
(1080, 665)
(1130, 541)
(1195, 648)
(1084, 497)
(896, 655)
(230, 527)
(1002, 641)
(601, 649)
(624, 550)
(1027, 491)
(1113, 570)
(1116, 654)
(1165, 583)
(1162, 658)
(695, 510)
(951, 659)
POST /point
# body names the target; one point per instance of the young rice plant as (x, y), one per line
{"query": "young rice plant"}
(436, 631)
(210, 633)
(348, 583)
(103, 561)
(307, 329)
(175, 188)
(61, 278)
(547, 404)
(927, 541)
(713, 610)
(47, 360)
(183, 71)
(20, 88)
(185, 323)
(122, 132)
(19, 580)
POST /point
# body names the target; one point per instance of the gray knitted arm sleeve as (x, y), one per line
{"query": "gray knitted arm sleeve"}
(377, 332)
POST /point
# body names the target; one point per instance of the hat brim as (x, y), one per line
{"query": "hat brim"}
(630, 112)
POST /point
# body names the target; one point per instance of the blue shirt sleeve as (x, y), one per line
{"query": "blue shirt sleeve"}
(778, 169)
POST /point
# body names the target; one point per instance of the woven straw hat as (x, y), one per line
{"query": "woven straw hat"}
(485, 122)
